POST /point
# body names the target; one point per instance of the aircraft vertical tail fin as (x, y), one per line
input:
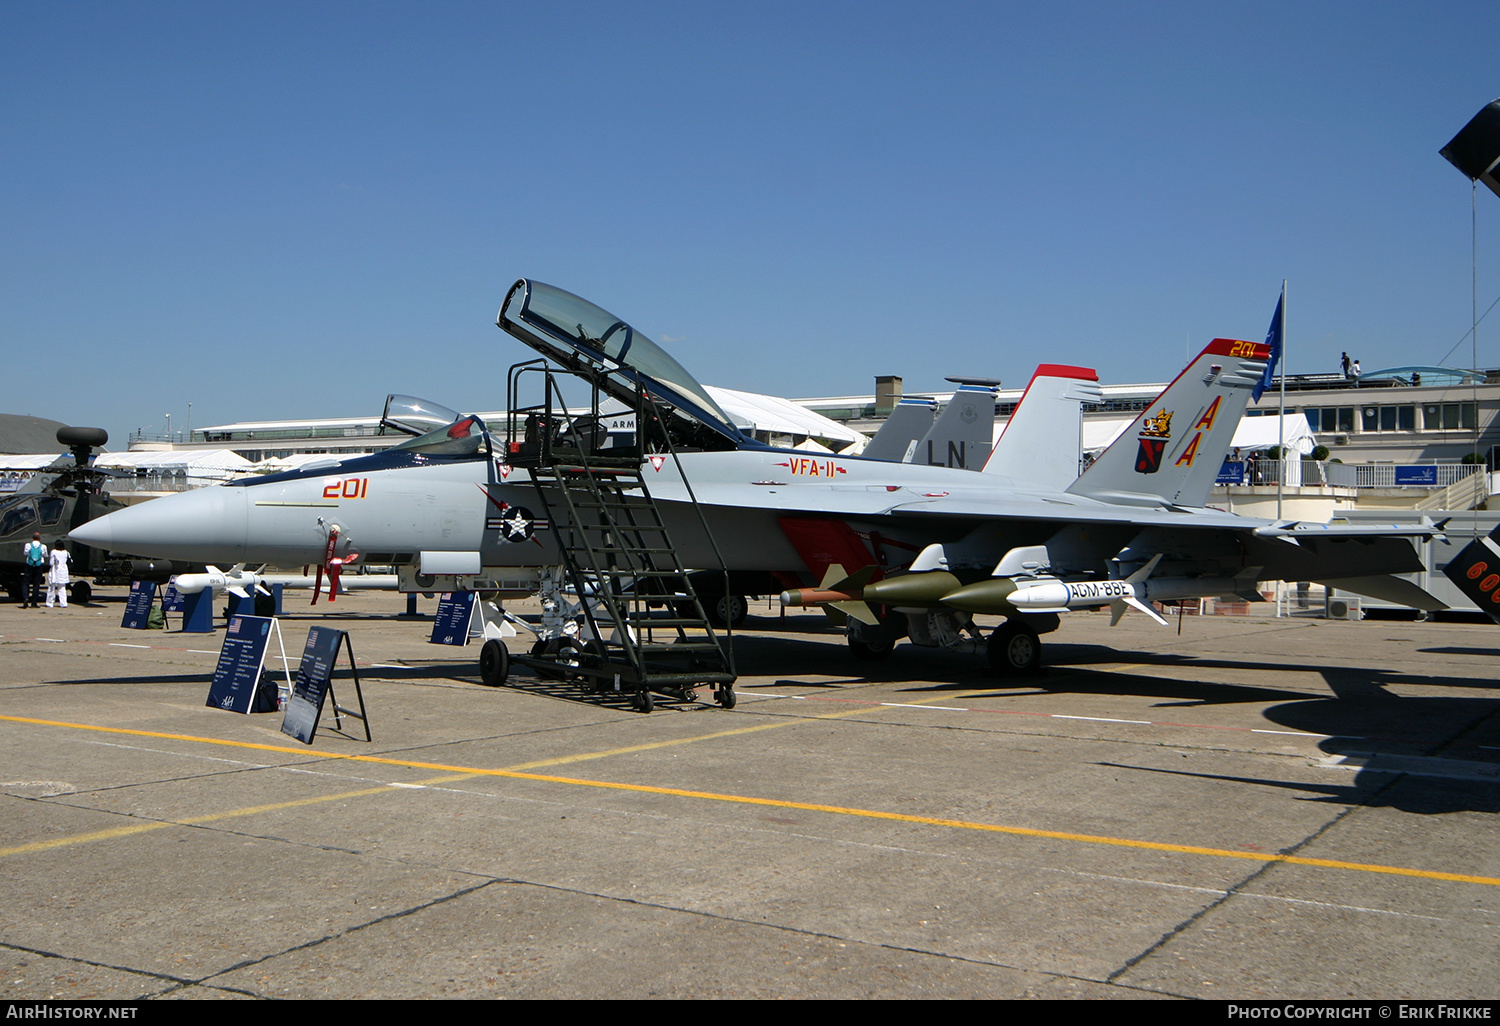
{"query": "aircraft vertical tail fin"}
(903, 429)
(1171, 454)
(962, 435)
(1043, 439)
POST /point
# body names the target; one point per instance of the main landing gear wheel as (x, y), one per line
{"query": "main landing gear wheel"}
(725, 697)
(870, 645)
(494, 663)
(81, 592)
(1015, 650)
(729, 611)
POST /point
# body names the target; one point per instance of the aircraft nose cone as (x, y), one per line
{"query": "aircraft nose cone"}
(204, 524)
(97, 533)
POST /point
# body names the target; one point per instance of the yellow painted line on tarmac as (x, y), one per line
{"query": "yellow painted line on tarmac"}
(195, 821)
(137, 828)
(837, 810)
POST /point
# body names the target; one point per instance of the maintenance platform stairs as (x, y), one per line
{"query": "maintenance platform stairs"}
(644, 629)
(647, 624)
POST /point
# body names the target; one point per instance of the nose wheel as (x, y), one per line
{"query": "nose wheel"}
(494, 663)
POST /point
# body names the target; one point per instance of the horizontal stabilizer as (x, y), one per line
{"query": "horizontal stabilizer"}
(1389, 589)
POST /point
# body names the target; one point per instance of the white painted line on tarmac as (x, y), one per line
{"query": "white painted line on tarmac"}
(909, 705)
(121, 644)
(1165, 885)
(59, 641)
(1097, 719)
(202, 651)
(1415, 765)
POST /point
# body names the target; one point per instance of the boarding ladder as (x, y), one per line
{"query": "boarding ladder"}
(645, 627)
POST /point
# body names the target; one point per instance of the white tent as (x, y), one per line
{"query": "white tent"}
(752, 411)
(1256, 433)
(203, 464)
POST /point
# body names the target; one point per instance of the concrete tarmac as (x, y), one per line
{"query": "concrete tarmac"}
(1252, 809)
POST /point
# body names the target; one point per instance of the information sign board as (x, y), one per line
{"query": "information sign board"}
(138, 605)
(311, 685)
(1231, 473)
(455, 613)
(1419, 474)
(240, 660)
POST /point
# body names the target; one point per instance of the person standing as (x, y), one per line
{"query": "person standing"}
(57, 577)
(1355, 372)
(1344, 365)
(34, 564)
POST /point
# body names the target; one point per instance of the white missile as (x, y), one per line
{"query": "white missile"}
(1135, 592)
(1057, 596)
(237, 581)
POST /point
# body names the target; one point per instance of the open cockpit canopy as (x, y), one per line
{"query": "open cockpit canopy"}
(581, 336)
(435, 429)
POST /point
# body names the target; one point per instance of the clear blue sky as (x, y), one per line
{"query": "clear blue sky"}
(289, 210)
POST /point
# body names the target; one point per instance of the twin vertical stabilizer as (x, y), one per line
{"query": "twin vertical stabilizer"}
(1043, 439)
(1172, 453)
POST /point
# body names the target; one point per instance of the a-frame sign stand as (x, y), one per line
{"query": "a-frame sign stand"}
(242, 659)
(314, 683)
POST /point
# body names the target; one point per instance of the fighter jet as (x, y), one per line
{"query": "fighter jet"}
(918, 549)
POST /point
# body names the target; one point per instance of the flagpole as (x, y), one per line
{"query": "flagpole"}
(1281, 413)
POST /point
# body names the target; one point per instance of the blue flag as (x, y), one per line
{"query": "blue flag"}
(1273, 339)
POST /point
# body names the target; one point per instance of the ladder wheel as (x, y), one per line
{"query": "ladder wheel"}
(592, 657)
(725, 697)
(494, 663)
(570, 656)
(547, 652)
(643, 700)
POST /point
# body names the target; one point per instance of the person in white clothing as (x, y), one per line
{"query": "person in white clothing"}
(57, 574)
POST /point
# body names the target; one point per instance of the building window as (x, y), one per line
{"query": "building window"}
(1332, 418)
(1448, 417)
(1388, 418)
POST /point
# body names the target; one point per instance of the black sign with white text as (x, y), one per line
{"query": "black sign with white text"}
(311, 685)
(240, 661)
(138, 605)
